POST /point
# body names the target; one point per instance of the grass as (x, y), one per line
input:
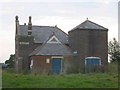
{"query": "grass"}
(91, 80)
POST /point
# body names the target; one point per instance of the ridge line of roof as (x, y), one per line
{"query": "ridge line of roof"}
(47, 26)
(38, 26)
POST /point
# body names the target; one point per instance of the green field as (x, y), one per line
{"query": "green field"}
(91, 80)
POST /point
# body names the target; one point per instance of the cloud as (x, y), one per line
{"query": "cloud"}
(6, 44)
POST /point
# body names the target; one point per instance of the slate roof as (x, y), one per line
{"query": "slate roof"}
(58, 49)
(42, 33)
(89, 25)
(52, 49)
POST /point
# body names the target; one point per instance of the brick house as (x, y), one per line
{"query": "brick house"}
(49, 50)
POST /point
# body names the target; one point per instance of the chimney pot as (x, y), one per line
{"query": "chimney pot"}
(29, 19)
(24, 23)
(55, 25)
(16, 17)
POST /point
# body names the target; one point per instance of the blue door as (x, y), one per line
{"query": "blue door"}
(56, 65)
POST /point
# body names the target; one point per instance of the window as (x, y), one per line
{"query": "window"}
(31, 64)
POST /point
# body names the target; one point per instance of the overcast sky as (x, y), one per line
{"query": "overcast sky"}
(66, 14)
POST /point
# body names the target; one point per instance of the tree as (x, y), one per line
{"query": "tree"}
(10, 63)
(114, 50)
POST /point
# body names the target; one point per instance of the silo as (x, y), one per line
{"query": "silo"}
(89, 39)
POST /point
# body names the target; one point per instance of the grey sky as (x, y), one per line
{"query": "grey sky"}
(63, 13)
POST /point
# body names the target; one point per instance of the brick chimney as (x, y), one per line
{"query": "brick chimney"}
(29, 27)
(16, 24)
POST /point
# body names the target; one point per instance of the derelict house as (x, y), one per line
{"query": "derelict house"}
(89, 39)
(41, 49)
(49, 50)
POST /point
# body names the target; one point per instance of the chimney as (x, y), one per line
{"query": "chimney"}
(25, 24)
(16, 24)
(55, 25)
(29, 26)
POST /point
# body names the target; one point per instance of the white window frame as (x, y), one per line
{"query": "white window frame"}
(31, 64)
(50, 40)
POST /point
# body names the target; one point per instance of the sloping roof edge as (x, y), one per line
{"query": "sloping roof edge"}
(78, 26)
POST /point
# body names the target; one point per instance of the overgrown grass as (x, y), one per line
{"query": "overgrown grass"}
(93, 80)
(113, 67)
(89, 80)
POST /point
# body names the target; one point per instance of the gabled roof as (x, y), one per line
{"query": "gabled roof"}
(89, 25)
(52, 49)
(41, 33)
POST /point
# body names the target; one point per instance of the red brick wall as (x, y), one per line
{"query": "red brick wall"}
(89, 43)
(40, 66)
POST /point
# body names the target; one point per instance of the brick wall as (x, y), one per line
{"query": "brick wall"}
(24, 46)
(89, 43)
(41, 67)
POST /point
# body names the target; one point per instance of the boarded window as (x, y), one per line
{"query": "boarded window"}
(92, 63)
(47, 60)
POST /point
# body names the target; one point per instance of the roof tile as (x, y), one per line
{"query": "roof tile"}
(42, 33)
